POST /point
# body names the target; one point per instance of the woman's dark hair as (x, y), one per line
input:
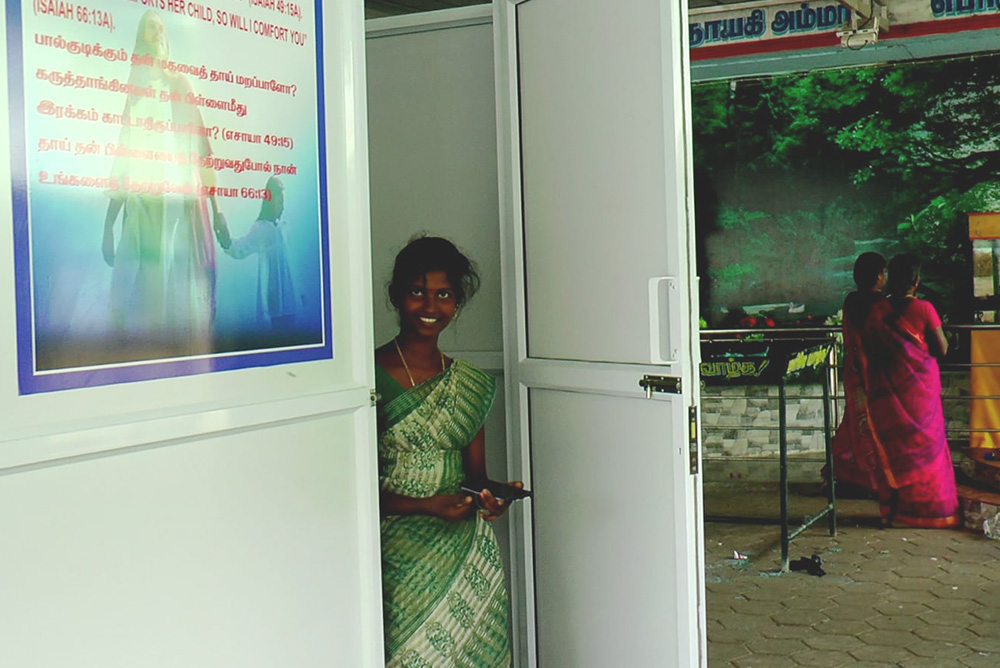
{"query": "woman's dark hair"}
(867, 268)
(425, 254)
(904, 272)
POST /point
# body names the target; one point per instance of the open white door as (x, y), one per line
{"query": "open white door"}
(599, 292)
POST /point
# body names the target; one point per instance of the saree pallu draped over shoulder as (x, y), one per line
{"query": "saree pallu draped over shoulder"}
(444, 591)
(916, 477)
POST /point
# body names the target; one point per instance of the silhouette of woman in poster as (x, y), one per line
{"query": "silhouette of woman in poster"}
(163, 266)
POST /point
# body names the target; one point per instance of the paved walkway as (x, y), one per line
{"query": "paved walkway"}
(899, 597)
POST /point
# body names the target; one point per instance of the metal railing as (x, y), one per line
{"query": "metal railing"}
(833, 333)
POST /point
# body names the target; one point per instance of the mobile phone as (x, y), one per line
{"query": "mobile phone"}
(501, 491)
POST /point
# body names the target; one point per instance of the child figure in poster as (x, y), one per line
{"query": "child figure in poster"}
(275, 290)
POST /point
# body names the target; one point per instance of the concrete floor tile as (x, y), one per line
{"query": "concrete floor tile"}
(949, 618)
(920, 571)
(944, 633)
(873, 664)
(980, 660)
(912, 584)
(838, 643)
(735, 620)
(962, 578)
(829, 582)
(954, 591)
(964, 558)
(754, 608)
(876, 588)
(938, 650)
(863, 600)
(793, 632)
(925, 662)
(857, 612)
(905, 624)
(952, 604)
(721, 653)
(798, 617)
(883, 653)
(776, 590)
(939, 551)
(986, 614)
(989, 595)
(817, 658)
(990, 644)
(841, 627)
(740, 627)
(779, 646)
(763, 661)
(805, 602)
(720, 586)
(879, 573)
(908, 596)
(901, 609)
(888, 638)
(736, 636)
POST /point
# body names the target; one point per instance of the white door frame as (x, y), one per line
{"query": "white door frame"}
(521, 373)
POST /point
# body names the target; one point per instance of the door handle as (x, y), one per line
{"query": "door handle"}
(664, 320)
(664, 384)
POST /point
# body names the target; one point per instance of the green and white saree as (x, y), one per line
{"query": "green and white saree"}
(443, 588)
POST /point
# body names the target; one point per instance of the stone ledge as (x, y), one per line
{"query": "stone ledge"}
(982, 472)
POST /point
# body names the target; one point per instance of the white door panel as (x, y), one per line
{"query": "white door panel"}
(604, 530)
(593, 146)
(600, 291)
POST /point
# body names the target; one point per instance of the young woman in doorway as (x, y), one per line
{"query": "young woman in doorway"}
(444, 593)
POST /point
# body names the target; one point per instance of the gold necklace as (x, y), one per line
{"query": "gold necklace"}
(406, 367)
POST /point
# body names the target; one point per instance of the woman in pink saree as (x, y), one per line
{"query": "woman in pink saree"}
(914, 474)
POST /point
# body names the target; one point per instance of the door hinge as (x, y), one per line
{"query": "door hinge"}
(664, 384)
(373, 397)
(693, 440)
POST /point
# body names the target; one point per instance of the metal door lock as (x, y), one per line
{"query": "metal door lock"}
(664, 384)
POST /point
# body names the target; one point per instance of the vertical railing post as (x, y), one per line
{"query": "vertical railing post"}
(783, 471)
(829, 376)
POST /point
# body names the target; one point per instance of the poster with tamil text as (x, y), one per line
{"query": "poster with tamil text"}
(167, 158)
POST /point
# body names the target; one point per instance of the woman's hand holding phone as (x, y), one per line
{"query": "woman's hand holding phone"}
(494, 498)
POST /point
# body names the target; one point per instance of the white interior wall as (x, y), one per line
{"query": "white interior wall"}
(231, 550)
(224, 520)
(433, 167)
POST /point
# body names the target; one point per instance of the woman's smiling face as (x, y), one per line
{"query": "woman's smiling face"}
(428, 305)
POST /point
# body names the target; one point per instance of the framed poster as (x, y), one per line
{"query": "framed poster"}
(167, 160)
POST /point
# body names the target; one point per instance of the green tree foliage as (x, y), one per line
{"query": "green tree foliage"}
(898, 153)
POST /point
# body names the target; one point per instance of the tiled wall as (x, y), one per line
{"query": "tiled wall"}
(741, 422)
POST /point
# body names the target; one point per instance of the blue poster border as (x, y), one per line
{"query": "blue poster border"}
(31, 382)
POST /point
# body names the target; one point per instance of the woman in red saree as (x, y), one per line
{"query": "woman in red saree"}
(853, 447)
(915, 478)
